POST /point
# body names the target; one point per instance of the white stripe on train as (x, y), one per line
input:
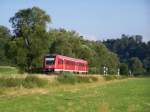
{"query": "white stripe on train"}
(57, 70)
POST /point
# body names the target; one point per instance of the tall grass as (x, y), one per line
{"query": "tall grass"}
(28, 82)
(10, 82)
(70, 78)
(124, 96)
(8, 71)
(33, 81)
(113, 77)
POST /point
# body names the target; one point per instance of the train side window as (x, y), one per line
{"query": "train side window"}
(69, 62)
(66, 62)
(73, 63)
(81, 64)
(60, 62)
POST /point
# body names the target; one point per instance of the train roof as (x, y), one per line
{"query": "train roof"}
(66, 57)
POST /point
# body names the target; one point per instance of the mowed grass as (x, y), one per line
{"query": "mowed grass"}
(129, 95)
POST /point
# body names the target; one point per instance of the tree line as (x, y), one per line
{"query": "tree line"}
(133, 53)
(31, 41)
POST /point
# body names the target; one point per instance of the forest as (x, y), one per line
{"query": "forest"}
(31, 40)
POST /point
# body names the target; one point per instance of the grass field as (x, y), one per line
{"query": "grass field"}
(8, 71)
(129, 95)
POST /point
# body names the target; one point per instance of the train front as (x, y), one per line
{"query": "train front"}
(49, 63)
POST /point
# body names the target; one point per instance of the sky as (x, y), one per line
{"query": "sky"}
(93, 19)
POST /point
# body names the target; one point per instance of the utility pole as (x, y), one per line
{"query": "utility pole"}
(118, 71)
(104, 71)
(130, 73)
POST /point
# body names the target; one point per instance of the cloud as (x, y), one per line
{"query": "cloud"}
(89, 36)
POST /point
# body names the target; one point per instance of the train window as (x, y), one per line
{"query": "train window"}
(77, 64)
(71, 63)
(67, 62)
(49, 61)
(81, 64)
(60, 62)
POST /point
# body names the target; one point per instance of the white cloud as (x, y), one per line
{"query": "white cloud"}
(89, 36)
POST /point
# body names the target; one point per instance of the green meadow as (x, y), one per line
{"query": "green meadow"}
(8, 71)
(127, 95)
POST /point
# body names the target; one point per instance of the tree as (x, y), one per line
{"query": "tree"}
(4, 38)
(105, 58)
(136, 66)
(147, 64)
(128, 47)
(124, 69)
(61, 46)
(71, 44)
(29, 26)
(61, 42)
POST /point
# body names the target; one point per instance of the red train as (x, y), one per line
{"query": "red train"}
(54, 63)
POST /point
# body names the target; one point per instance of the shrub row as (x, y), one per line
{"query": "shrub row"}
(72, 79)
(112, 77)
(28, 82)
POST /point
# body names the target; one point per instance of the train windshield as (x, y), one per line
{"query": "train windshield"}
(49, 60)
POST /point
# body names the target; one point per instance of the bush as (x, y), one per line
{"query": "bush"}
(72, 79)
(82, 79)
(94, 78)
(93, 70)
(28, 82)
(109, 77)
(112, 77)
(37, 70)
(10, 82)
(33, 81)
(86, 79)
(67, 79)
(124, 69)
